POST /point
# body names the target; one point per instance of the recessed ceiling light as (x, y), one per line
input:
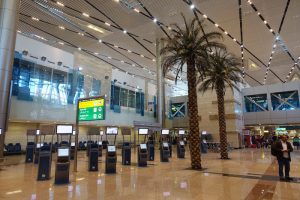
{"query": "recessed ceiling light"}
(85, 14)
(154, 20)
(95, 28)
(192, 6)
(35, 19)
(60, 4)
(107, 24)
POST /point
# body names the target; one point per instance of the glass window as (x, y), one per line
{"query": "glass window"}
(124, 97)
(256, 103)
(178, 109)
(117, 95)
(285, 100)
(131, 99)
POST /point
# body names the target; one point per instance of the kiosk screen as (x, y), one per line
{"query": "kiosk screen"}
(112, 131)
(63, 152)
(165, 132)
(72, 144)
(64, 129)
(165, 144)
(143, 146)
(100, 142)
(39, 145)
(181, 132)
(143, 131)
(181, 143)
(111, 148)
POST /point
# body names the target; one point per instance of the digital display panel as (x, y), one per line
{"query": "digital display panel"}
(112, 131)
(181, 132)
(72, 144)
(91, 109)
(0, 131)
(181, 143)
(143, 146)
(165, 131)
(165, 144)
(63, 152)
(111, 148)
(100, 142)
(143, 131)
(38, 132)
(64, 129)
(74, 132)
(101, 132)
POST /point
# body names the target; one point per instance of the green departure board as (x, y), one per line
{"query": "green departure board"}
(91, 109)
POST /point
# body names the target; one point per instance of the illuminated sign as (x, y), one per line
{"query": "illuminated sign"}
(91, 109)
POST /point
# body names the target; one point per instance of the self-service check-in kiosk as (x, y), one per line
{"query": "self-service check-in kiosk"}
(142, 155)
(93, 134)
(126, 147)
(111, 153)
(93, 157)
(111, 159)
(165, 146)
(30, 148)
(62, 166)
(151, 148)
(44, 163)
(180, 144)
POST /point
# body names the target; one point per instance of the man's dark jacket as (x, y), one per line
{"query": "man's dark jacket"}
(279, 149)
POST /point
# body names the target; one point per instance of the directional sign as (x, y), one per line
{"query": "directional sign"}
(91, 109)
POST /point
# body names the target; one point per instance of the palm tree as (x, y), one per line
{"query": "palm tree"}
(223, 72)
(190, 47)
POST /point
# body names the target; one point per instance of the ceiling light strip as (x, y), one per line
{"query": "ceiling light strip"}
(242, 37)
(269, 27)
(270, 60)
(229, 35)
(91, 37)
(84, 50)
(96, 8)
(292, 69)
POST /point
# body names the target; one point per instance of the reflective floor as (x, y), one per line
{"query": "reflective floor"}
(250, 174)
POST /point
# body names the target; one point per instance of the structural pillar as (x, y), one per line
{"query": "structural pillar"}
(160, 85)
(9, 17)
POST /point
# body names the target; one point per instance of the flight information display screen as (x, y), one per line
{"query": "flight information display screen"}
(111, 148)
(112, 131)
(64, 129)
(143, 131)
(165, 131)
(63, 152)
(181, 132)
(143, 146)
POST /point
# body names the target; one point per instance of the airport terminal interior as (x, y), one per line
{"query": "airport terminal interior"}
(149, 99)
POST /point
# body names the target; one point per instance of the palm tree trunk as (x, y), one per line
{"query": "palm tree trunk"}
(193, 115)
(222, 122)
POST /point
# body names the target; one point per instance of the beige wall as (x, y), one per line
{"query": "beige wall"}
(208, 115)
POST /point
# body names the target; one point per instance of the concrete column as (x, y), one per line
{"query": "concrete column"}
(160, 85)
(8, 24)
(146, 95)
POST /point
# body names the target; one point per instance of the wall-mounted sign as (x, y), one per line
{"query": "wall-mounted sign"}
(91, 109)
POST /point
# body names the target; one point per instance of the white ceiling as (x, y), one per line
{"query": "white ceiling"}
(257, 37)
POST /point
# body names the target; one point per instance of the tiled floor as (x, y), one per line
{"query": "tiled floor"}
(250, 174)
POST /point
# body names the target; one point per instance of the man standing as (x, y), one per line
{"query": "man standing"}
(283, 148)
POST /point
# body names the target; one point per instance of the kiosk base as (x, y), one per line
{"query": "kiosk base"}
(62, 173)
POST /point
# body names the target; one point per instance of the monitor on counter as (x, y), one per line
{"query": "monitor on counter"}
(63, 152)
(165, 131)
(165, 144)
(143, 131)
(181, 132)
(112, 131)
(111, 148)
(64, 129)
(143, 146)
